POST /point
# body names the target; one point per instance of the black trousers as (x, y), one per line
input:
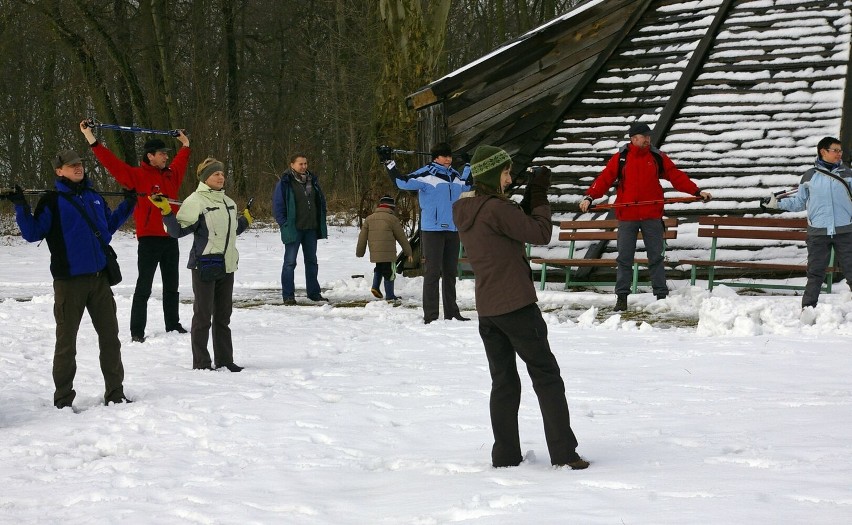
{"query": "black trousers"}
(441, 252)
(71, 298)
(819, 253)
(524, 333)
(214, 301)
(152, 252)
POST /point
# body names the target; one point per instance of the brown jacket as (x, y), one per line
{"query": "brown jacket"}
(493, 231)
(382, 230)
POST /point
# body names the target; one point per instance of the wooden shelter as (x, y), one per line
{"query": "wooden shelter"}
(738, 93)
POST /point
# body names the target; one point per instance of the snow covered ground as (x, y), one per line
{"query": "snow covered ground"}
(703, 408)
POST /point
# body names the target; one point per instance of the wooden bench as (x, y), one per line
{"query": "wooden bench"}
(594, 230)
(751, 228)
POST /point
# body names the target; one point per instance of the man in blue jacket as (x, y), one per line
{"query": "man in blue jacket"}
(825, 192)
(77, 263)
(299, 208)
(438, 186)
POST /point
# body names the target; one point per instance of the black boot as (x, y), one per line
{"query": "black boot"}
(621, 303)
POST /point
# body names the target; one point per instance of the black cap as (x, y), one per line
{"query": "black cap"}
(153, 146)
(639, 128)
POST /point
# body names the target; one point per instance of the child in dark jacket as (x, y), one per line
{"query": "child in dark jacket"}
(382, 230)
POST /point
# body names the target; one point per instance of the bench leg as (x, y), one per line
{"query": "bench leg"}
(692, 275)
(635, 284)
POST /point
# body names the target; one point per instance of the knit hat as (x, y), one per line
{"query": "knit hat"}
(487, 165)
(69, 156)
(208, 167)
(387, 201)
(441, 149)
(638, 128)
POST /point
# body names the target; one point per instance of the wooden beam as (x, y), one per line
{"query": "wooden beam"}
(684, 85)
(846, 115)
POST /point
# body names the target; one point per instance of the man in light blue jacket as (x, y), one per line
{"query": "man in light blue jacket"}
(438, 186)
(825, 193)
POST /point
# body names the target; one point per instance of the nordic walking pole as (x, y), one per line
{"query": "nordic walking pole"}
(92, 123)
(643, 203)
(409, 152)
(5, 193)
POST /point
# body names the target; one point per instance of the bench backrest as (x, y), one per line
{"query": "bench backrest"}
(604, 230)
(753, 228)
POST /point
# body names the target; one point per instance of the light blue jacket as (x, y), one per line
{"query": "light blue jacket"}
(437, 188)
(827, 201)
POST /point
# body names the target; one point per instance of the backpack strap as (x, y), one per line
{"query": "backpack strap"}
(622, 160)
(837, 178)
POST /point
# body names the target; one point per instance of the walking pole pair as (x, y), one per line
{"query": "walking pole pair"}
(606, 206)
(93, 123)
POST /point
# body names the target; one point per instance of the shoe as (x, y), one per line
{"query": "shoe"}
(427, 321)
(661, 297)
(289, 301)
(116, 401)
(621, 303)
(137, 338)
(458, 317)
(231, 367)
(376, 293)
(177, 328)
(208, 367)
(576, 463)
(60, 406)
(394, 298)
(317, 298)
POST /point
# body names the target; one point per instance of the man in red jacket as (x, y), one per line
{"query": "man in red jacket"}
(156, 247)
(638, 179)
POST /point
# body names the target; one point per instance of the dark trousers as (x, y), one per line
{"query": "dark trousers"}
(384, 271)
(307, 240)
(71, 298)
(524, 332)
(212, 307)
(652, 236)
(151, 252)
(819, 254)
(441, 255)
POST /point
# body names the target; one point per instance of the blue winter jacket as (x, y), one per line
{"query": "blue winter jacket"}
(827, 201)
(284, 207)
(438, 188)
(74, 249)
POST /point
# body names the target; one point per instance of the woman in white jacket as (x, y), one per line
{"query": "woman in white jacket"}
(211, 216)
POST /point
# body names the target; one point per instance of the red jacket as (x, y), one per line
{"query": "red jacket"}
(640, 181)
(149, 222)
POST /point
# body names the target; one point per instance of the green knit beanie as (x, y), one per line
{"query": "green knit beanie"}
(487, 165)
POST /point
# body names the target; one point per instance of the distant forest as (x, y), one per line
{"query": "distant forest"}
(251, 81)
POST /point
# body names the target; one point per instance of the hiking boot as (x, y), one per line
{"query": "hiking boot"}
(621, 303)
(458, 317)
(317, 298)
(576, 462)
(376, 293)
(116, 401)
(290, 301)
(177, 328)
(137, 338)
(231, 367)
(661, 296)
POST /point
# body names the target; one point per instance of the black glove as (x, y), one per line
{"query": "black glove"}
(385, 153)
(535, 194)
(129, 194)
(17, 197)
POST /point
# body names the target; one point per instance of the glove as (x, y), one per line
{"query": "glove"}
(129, 194)
(248, 216)
(538, 185)
(769, 203)
(17, 197)
(585, 203)
(161, 202)
(385, 153)
(705, 197)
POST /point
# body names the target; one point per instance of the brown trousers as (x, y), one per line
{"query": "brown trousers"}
(212, 307)
(71, 297)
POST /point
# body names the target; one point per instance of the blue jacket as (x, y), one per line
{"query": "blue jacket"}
(438, 188)
(827, 201)
(74, 249)
(284, 208)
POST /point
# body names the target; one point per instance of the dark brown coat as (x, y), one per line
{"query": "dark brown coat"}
(382, 231)
(493, 231)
